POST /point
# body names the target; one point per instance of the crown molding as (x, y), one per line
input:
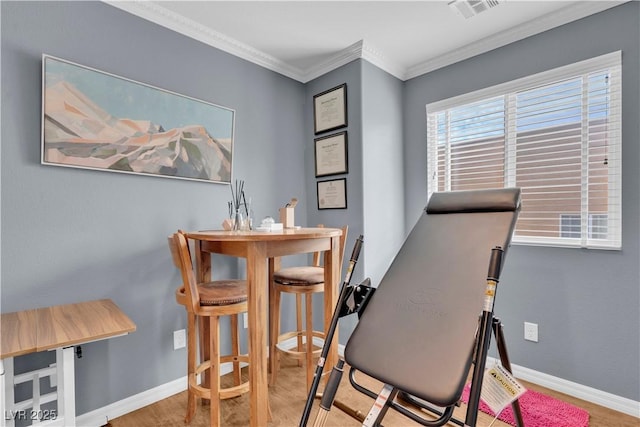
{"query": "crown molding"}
(377, 58)
(536, 26)
(188, 27)
(337, 60)
(360, 50)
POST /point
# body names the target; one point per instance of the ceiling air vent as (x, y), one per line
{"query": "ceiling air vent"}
(469, 8)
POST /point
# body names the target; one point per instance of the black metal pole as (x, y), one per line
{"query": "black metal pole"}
(484, 336)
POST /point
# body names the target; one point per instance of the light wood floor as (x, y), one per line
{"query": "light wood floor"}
(287, 399)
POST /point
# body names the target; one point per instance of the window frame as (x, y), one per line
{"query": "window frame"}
(570, 217)
(612, 62)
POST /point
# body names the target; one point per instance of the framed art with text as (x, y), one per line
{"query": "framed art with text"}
(331, 154)
(330, 109)
(332, 194)
(96, 120)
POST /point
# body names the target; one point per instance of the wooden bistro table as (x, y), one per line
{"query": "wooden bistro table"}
(59, 328)
(259, 248)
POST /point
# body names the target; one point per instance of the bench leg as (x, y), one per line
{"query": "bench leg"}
(6, 388)
(66, 386)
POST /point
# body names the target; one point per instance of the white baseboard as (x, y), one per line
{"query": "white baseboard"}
(99, 417)
(608, 400)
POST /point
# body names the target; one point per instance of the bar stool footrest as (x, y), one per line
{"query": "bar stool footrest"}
(292, 352)
(226, 392)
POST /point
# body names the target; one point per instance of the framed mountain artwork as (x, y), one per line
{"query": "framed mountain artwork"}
(95, 120)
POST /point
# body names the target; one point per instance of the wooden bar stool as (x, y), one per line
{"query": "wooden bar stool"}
(301, 281)
(209, 301)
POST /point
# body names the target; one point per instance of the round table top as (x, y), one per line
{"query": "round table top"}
(253, 235)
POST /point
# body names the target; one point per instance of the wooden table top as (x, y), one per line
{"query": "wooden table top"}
(69, 324)
(18, 333)
(61, 326)
(253, 235)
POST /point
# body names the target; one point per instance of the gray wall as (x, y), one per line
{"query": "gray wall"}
(351, 74)
(70, 235)
(382, 160)
(352, 216)
(586, 302)
(375, 179)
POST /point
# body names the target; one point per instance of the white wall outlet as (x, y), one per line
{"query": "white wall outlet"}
(245, 320)
(531, 331)
(179, 339)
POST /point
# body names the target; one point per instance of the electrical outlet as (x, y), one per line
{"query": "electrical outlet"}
(531, 331)
(245, 320)
(179, 339)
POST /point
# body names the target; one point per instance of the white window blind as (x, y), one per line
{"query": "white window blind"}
(556, 135)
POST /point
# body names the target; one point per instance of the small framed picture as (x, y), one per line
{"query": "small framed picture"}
(331, 154)
(332, 194)
(330, 109)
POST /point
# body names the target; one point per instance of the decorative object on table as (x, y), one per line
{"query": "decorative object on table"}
(331, 154)
(265, 224)
(330, 109)
(287, 217)
(240, 212)
(332, 194)
(269, 224)
(227, 224)
(96, 120)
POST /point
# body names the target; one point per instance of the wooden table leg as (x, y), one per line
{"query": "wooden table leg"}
(274, 323)
(203, 275)
(257, 308)
(203, 263)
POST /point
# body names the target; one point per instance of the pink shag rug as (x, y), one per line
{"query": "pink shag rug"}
(539, 410)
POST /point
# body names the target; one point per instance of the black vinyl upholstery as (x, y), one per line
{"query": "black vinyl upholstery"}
(507, 200)
(418, 330)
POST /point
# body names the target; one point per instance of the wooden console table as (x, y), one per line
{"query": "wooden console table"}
(60, 327)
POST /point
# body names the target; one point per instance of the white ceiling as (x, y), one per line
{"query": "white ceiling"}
(305, 39)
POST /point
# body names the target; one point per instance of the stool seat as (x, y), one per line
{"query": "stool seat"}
(307, 275)
(220, 292)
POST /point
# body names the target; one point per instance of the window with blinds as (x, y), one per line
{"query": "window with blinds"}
(556, 135)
